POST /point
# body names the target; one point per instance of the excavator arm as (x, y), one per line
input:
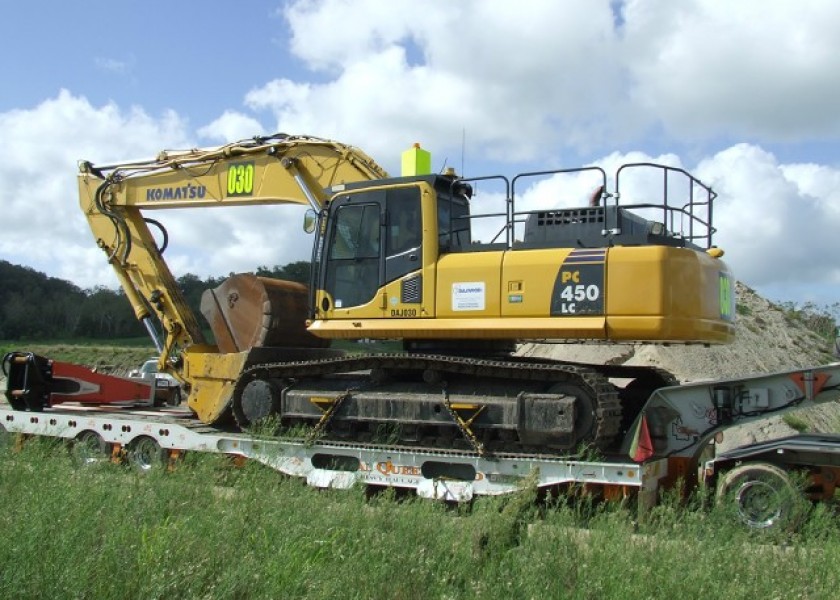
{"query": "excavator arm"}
(280, 169)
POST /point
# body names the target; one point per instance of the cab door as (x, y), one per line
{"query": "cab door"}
(373, 255)
(354, 260)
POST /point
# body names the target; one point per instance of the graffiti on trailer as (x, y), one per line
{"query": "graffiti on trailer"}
(394, 473)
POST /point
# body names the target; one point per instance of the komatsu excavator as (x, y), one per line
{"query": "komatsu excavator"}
(397, 258)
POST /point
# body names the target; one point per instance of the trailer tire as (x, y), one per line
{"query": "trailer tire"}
(762, 497)
(145, 454)
(88, 448)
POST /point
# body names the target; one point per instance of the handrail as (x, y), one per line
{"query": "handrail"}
(688, 209)
(689, 220)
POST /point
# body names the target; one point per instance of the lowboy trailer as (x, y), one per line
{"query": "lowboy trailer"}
(666, 445)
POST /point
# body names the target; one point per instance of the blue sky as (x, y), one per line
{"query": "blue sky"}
(743, 94)
(195, 58)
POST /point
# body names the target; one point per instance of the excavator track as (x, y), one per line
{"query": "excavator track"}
(578, 380)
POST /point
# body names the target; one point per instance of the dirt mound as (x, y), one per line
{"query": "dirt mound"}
(767, 340)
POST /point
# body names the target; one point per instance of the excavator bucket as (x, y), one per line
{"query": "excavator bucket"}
(247, 312)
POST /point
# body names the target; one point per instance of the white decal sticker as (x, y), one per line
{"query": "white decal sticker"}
(468, 296)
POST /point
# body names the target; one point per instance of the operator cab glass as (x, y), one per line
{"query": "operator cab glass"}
(354, 252)
(377, 236)
(453, 222)
(373, 237)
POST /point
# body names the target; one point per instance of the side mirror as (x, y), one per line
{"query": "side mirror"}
(310, 219)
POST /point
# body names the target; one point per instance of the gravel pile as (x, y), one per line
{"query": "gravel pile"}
(766, 341)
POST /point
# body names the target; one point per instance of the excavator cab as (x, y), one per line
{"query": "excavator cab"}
(374, 239)
(396, 258)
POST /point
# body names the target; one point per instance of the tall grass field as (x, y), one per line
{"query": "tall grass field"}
(209, 530)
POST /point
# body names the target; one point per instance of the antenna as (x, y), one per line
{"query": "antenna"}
(463, 148)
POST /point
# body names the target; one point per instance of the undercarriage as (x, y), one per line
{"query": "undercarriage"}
(486, 406)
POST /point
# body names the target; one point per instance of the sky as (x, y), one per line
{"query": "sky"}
(742, 94)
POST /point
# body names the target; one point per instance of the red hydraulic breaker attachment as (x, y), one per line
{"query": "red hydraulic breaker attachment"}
(34, 382)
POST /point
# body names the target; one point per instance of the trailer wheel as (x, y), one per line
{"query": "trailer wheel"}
(89, 448)
(762, 497)
(145, 454)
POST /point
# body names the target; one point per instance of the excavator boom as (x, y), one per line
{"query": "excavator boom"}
(242, 173)
(280, 169)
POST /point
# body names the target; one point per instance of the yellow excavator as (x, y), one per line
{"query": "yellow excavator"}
(398, 258)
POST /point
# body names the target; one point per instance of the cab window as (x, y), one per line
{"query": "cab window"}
(356, 232)
(353, 267)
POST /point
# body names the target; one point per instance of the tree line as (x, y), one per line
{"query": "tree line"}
(34, 306)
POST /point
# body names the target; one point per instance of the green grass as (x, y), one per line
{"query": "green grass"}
(743, 309)
(207, 531)
(796, 422)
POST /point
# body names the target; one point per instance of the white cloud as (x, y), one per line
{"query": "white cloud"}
(762, 68)
(40, 148)
(44, 228)
(400, 72)
(219, 241)
(777, 223)
(367, 27)
(231, 126)
(113, 65)
(529, 84)
(773, 227)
